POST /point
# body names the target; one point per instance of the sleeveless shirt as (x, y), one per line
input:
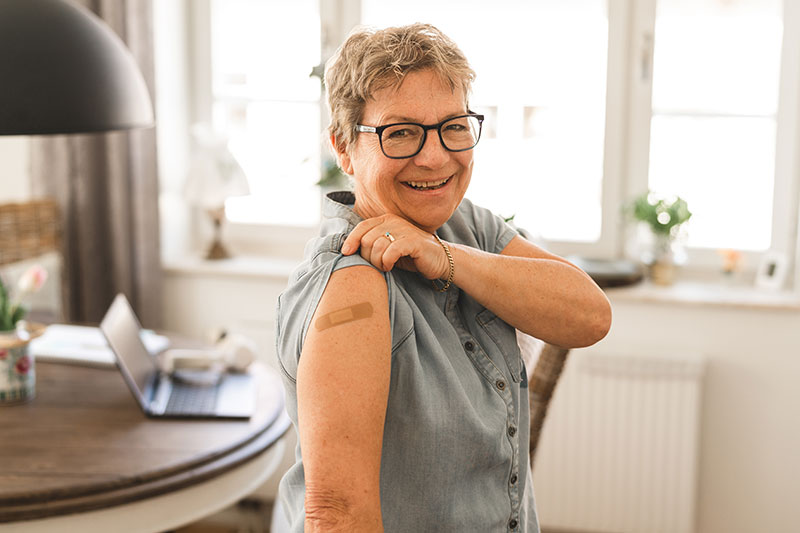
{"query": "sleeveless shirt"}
(455, 443)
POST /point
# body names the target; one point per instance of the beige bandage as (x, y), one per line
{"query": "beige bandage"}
(342, 316)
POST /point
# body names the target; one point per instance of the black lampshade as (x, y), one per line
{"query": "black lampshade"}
(62, 70)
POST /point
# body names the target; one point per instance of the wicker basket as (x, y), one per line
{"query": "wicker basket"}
(28, 230)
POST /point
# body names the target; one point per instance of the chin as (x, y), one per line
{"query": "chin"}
(430, 222)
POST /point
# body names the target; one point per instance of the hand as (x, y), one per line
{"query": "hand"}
(413, 249)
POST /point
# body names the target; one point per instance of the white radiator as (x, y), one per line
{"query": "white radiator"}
(619, 448)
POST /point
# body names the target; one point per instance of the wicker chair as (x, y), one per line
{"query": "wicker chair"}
(29, 230)
(541, 385)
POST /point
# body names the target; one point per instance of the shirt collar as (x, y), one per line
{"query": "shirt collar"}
(339, 205)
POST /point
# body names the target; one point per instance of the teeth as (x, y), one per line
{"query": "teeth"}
(427, 184)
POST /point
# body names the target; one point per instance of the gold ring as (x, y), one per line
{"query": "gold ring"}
(389, 236)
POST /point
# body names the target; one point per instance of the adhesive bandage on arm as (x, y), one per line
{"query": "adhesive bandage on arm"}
(342, 316)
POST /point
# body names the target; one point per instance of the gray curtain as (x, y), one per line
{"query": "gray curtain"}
(107, 188)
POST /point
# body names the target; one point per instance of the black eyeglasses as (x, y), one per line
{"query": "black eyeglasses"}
(406, 139)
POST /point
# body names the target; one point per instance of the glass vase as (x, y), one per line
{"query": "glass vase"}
(17, 368)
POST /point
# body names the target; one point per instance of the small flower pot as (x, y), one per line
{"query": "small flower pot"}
(17, 369)
(662, 272)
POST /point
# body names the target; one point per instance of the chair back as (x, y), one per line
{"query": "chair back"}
(28, 230)
(30, 233)
(541, 385)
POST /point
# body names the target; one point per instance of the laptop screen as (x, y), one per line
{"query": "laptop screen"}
(121, 328)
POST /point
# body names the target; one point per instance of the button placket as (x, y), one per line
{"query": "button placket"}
(503, 385)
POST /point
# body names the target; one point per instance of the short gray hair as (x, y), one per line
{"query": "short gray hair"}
(372, 59)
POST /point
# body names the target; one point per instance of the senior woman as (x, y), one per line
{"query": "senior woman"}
(396, 335)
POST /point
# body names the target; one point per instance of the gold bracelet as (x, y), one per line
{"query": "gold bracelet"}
(452, 267)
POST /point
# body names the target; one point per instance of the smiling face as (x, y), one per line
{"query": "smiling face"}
(424, 189)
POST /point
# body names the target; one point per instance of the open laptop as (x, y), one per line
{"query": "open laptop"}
(158, 394)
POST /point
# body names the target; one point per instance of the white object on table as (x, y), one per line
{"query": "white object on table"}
(84, 345)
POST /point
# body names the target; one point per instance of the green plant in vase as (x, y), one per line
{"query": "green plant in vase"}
(664, 217)
(17, 376)
(333, 179)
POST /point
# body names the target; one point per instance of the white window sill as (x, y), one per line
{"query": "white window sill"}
(238, 266)
(707, 293)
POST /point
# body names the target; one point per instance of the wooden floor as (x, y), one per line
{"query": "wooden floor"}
(248, 516)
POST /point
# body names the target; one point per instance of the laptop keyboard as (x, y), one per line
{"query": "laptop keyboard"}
(191, 399)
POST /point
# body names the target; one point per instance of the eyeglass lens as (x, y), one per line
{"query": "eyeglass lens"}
(404, 140)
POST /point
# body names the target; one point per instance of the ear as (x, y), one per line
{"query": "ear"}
(340, 148)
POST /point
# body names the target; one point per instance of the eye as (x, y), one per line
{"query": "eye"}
(399, 132)
(457, 125)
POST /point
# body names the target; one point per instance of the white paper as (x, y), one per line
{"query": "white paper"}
(63, 343)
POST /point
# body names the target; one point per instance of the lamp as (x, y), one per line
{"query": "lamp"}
(214, 176)
(62, 70)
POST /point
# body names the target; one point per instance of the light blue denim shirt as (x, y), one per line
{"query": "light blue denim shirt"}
(455, 442)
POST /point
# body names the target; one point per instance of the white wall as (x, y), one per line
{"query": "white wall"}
(14, 171)
(749, 472)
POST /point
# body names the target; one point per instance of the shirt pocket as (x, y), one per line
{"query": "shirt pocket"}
(505, 338)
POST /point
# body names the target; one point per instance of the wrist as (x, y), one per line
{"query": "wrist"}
(449, 267)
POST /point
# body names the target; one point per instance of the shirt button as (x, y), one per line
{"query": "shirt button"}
(512, 524)
(512, 431)
(469, 346)
(501, 384)
(513, 479)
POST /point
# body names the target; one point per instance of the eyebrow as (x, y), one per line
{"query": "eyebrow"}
(392, 119)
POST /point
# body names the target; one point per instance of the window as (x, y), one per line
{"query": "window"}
(265, 101)
(713, 118)
(716, 74)
(588, 103)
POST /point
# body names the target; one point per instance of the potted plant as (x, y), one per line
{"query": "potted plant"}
(664, 217)
(17, 374)
(332, 178)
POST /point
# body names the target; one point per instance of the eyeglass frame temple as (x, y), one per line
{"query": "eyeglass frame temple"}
(378, 130)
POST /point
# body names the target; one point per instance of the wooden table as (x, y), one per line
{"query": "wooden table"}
(83, 457)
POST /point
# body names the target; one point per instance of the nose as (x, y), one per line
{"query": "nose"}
(433, 154)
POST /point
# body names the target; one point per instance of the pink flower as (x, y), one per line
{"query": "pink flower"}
(23, 364)
(32, 280)
(3, 353)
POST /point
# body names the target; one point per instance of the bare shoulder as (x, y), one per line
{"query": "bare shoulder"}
(361, 290)
(354, 305)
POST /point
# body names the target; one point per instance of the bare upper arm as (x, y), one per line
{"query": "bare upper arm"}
(342, 394)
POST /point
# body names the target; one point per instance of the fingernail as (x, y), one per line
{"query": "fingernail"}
(345, 249)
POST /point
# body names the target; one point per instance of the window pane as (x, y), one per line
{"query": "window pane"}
(723, 167)
(715, 99)
(281, 174)
(265, 101)
(541, 82)
(719, 56)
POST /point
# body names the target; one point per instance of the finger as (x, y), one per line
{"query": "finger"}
(393, 253)
(374, 245)
(354, 240)
(379, 248)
